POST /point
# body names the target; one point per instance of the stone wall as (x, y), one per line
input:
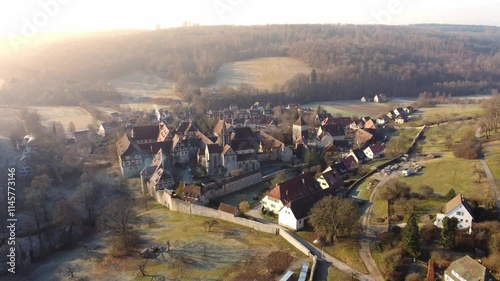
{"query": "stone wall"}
(217, 190)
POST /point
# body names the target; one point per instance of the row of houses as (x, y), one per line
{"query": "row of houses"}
(228, 149)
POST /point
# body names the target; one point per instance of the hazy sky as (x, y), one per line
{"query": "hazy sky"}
(69, 15)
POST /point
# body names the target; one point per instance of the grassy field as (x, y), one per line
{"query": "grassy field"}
(436, 136)
(335, 274)
(345, 250)
(262, 73)
(446, 173)
(492, 156)
(65, 114)
(352, 107)
(144, 84)
(443, 112)
(227, 252)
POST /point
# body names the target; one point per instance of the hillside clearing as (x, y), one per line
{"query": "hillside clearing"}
(262, 73)
(141, 84)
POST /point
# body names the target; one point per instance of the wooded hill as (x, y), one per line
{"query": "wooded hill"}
(351, 61)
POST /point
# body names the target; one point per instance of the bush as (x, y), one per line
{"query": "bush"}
(429, 232)
(466, 149)
(391, 259)
(414, 277)
(441, 259)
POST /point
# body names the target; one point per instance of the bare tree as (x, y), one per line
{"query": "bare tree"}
(86, 195)
(211, 223)
(66, 216)
(41, 184)
(117, 218)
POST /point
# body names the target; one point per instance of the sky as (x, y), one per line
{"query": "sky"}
(80, 15)
(24, 20)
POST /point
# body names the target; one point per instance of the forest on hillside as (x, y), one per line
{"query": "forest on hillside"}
(351, 61)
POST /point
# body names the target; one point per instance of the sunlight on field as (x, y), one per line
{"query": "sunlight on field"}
(352, 107)
(65, 114)
(262, 73)
(142, 84)
(449, 172)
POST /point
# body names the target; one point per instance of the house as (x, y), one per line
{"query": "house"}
(331, 149)
(340, 168)
(300, 129)
(358, 154)
(467, 269)
(374, 151)
(107, 128)
(362, 138)
(323, 140)
(363, 99)
(231, 210)
(287, 191)
(331, 179)
(322, 116)
(400, 119)
(391, 115)
(370, 125)
(130, 156)
(337, 131)
(296, 212)
(380, 98)
(383, 120)
(271, 149)
(350, 162)
(409, 109)
(459, 208)
(191, 193)
(398, 111)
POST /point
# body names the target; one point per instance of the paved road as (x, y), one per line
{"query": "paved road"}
(324, 260)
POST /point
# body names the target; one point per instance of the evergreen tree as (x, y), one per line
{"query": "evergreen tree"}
(450, 195)
(411, 237)
(314, 76)
(448, 232)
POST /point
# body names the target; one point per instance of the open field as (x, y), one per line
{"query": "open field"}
(436, 136)
(140, 84)
(492, 157)
(443, 112)
(224, 253)
(262, 73)
(352, 107)
(64, 114)
(446, 173)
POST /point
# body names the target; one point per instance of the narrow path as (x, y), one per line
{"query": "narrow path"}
(369, 235)
(488, 173)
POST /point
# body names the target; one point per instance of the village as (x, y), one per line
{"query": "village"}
(250, 170)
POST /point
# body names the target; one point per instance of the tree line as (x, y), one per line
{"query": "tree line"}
(350, 61)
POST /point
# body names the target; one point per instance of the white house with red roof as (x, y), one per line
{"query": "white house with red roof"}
(290, 190)
(458, 208)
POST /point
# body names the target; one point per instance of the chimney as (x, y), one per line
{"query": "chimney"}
(303, 181)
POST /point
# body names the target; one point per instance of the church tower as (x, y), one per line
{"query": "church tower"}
(300, 129)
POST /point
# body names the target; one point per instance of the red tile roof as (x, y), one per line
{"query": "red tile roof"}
(228, 209)
(295, 188)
